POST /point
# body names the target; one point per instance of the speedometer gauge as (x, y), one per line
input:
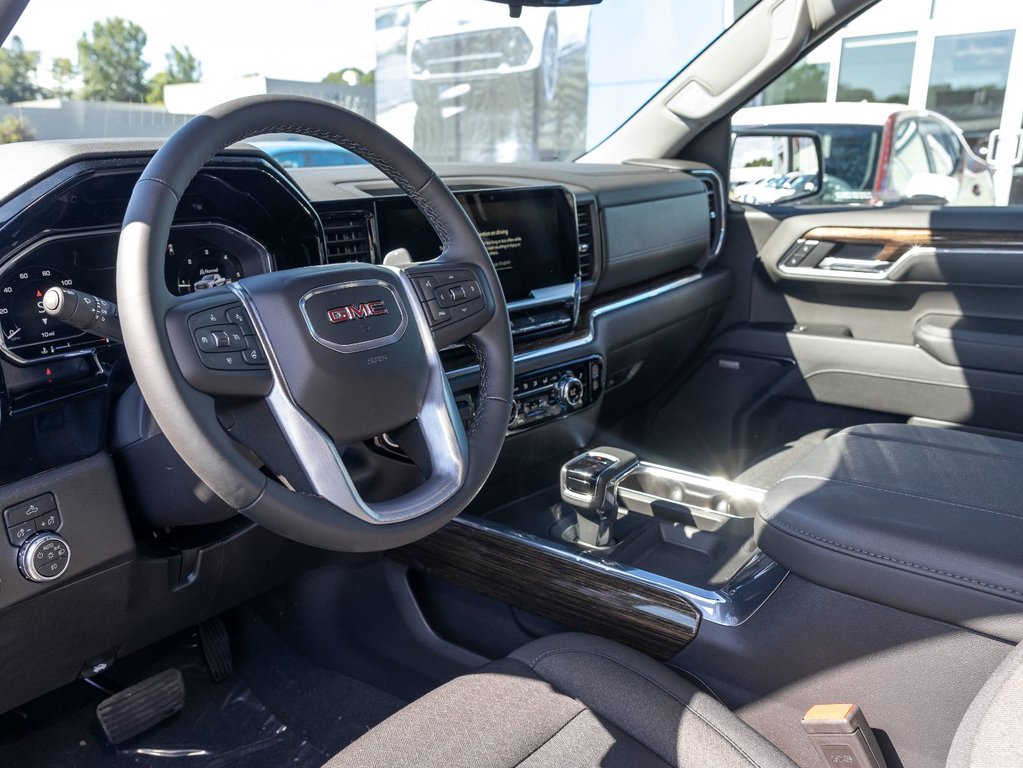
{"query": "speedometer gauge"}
(27, 330)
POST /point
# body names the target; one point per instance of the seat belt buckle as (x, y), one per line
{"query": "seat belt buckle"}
(842, 736)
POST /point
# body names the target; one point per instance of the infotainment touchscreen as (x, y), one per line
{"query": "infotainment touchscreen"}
(530, 233)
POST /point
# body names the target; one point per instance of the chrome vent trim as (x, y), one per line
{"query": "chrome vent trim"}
(716, 203)
(585, 215)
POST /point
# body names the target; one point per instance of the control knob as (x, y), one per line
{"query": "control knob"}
(44, 557)
(570, 391)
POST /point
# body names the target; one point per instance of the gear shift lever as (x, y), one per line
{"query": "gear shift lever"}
(589, 483)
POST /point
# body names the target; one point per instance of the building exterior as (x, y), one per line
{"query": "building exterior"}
(956, 57)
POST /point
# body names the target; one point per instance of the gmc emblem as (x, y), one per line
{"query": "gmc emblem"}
(356, 311)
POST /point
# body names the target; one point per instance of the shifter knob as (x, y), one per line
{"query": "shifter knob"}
(589, 483)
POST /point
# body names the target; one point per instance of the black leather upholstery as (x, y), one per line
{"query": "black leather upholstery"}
(926, 520)
(565, 700)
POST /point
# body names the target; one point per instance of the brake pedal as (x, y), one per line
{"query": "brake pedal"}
(216, 648)
(142, 706)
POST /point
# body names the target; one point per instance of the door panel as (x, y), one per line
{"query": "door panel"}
(907, 311)
(939, 339)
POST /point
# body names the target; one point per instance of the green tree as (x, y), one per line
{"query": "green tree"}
(802, 83)
(63, 71)
(14, 129)
(182, 67)
(111, 62)
(351, 76)
(17, 73)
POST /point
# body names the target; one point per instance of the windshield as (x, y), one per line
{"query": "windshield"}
(458, 80)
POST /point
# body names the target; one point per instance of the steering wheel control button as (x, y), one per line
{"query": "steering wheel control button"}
(237, 316)
(30, 509)
(254, 354)
(454, 276)
(223, 361)
(426, 286)
(44, 557)
(228, 338)
(19, 534)
(209, 317)
(468, 308)
(204, 340)
(437, 314)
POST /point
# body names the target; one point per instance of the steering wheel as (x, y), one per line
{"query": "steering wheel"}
(336, 354)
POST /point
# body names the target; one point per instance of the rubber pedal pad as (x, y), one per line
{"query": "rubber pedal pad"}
(216, 648)
(142, 706)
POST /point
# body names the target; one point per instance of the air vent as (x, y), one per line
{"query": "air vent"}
(346, 236)
(716, 204)
(584, 220)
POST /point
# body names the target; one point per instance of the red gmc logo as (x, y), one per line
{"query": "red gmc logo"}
(356, 311)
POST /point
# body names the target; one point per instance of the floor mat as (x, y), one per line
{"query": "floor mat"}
(276, 709)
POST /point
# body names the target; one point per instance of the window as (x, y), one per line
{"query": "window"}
(804, 82)
(877, 68)
(905, 98)
(850, 158)
(969, 74)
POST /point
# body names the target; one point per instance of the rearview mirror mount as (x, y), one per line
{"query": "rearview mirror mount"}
(515, 6)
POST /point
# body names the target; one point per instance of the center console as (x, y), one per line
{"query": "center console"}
(631, 550)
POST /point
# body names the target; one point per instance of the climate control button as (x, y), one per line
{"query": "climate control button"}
(571, 391)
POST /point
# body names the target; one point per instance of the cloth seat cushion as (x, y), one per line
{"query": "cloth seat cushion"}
(568, 700)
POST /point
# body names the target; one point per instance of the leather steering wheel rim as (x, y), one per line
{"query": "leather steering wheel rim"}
(188, 417)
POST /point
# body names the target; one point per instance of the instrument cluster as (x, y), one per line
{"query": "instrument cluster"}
(199, 256)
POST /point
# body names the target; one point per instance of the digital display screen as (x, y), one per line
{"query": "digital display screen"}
(530, 234)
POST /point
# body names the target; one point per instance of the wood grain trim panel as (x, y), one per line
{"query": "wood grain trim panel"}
(568, 589)
(895, 242)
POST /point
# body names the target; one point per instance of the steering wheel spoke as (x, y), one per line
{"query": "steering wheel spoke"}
(437, 426)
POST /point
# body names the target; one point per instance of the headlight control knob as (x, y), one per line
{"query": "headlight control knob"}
(570, 391)
(44, 557)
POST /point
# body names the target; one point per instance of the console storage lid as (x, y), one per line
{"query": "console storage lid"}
(923, 519)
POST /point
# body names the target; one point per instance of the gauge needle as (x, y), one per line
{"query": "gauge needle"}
(12, 334)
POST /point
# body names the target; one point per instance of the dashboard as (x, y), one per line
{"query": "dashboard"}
(560, 235)
(604, 269)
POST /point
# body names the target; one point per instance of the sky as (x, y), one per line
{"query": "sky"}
(296, 40)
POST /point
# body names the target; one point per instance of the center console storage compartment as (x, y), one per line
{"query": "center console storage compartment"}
(922, 519)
